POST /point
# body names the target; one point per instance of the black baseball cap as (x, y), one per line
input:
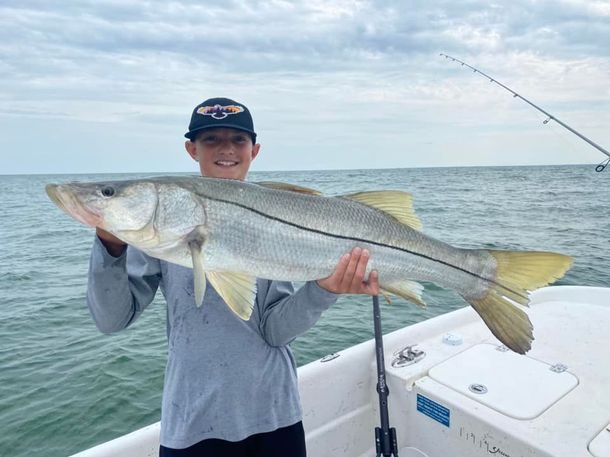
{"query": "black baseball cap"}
(220, 112)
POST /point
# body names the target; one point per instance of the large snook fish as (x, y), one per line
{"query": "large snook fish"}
(231, 232)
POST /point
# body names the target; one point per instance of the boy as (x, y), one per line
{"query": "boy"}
(230, 385)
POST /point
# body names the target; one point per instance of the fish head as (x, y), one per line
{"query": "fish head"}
(124, 208)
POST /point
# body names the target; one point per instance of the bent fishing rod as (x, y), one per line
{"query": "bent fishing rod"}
(598, 168)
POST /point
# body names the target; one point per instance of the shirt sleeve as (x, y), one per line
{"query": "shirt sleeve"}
(120, 288)
(286, 314)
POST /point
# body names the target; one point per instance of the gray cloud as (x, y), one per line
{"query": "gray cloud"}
(348, 63)
(264, 37)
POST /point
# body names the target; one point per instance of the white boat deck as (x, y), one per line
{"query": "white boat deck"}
(527, 410)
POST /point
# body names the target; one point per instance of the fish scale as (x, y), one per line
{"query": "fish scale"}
(321, 229)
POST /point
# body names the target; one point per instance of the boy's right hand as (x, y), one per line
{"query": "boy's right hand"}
(348, 277)
(114, 246)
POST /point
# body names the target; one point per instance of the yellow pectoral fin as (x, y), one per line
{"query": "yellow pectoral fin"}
(396, 203)
(238, 290)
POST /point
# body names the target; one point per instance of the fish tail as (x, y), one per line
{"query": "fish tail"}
(517, 274)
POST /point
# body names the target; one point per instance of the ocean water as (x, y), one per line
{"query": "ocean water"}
(65, 387)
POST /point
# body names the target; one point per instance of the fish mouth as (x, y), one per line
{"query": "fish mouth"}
(65, 199)
(52, 192)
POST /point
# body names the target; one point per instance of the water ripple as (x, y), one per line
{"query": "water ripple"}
(67, 387)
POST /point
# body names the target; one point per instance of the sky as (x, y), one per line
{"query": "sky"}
(109, 85)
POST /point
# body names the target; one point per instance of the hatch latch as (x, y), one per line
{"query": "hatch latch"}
(558, 368)
(407, 356)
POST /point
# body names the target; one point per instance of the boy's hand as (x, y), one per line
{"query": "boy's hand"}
(114, 246)
(348, 277)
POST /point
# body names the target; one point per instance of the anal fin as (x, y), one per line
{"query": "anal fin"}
(409, 290)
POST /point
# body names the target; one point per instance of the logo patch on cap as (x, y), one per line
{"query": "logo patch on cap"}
(219, 111)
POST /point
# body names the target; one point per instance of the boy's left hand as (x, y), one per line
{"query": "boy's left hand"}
(348, 277)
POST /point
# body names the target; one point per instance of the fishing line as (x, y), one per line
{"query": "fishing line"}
(549, 117)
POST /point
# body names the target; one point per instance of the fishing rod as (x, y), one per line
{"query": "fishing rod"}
(385, 436)
(598, 168)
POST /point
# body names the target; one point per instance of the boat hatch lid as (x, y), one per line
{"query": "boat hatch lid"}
(512, 384)
(600, 446)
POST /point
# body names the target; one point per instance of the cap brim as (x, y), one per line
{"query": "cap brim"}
(192, 133)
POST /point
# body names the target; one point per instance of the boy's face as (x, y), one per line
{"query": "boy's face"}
(223, 152)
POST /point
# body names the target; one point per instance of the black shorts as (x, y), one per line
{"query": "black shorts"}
(287, 441)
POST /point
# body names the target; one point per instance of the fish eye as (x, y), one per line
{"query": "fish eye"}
(107, 191)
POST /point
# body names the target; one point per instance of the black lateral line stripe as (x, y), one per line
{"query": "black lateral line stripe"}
(376, 243)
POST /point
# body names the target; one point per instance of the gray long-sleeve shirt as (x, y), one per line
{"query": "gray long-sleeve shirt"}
(225, 378)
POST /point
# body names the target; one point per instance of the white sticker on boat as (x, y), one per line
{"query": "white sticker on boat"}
(433, 410)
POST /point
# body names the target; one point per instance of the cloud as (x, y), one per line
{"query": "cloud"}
(351, 67)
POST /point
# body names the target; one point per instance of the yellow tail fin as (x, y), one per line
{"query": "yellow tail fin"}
(517, 274)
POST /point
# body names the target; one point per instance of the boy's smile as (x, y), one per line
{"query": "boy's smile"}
(223, 152)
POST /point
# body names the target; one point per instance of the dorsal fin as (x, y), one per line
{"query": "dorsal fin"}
(396, 203)
(288, 186)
